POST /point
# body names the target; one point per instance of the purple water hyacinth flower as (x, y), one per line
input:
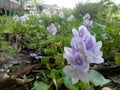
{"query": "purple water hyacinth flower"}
(24, 18)
(86, 22)
(31, 12)
(77, 67)
(95, 56)
(83, 32)
(79, 36)
(33, 54)
(38, 57)
(85, 50)
(90, 43)
(70, 18)
(61, 14)
(77, 42)
(52, 29)
(90, 26)
(86, 16)
(16, 18)
(48, 14)
(68, 54)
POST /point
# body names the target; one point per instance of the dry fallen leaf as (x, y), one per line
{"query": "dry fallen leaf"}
(24, 71)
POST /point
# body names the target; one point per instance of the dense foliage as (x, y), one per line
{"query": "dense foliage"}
(48, 32)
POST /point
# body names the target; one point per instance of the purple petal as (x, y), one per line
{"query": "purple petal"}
(33, 54)
(38, 57)
(90, 43)
(75, 32)
(78, 60)
(96, 55)
(83, 32)
(86, 16)
(68, 54)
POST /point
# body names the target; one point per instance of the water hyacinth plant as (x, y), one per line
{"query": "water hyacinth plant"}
(52, 29)
(84, 50)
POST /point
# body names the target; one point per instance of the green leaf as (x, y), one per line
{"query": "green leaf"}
(50, 51)
(45, 60)
(98, 79)
(68, 84)
(117, 59)
(55, 75)
(59, 59)
(40, 86)
(85, 86)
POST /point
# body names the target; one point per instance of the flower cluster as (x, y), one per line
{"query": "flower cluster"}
(22, 18)
(87, 22)
(52, 29)
(54, 13)
(84, 50)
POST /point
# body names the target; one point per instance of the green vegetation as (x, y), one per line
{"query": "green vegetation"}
(32, 34)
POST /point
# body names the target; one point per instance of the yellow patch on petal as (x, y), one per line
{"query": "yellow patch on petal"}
(81, 33)
(89, 45)
(78, 61)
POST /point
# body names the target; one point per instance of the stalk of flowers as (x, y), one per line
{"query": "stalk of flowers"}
(87, 22)
(52, 29)
(84, 50)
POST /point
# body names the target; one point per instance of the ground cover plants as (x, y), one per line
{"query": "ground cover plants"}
(59, 49)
